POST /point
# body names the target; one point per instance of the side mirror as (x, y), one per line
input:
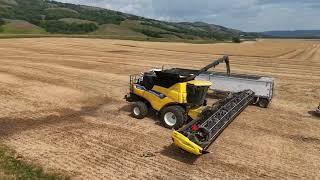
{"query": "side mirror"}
(205, 102)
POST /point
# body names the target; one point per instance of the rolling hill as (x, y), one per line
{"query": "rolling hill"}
(21, 27)
(297, 34)
(52, 17)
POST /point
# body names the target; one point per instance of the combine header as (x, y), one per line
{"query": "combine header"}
(197, 136)
(179, 97)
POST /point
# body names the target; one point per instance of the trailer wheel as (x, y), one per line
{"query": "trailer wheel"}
(173, 117)
(139, 110)
(263, 103)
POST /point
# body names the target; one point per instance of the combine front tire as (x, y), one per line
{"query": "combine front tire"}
(173, 117)
(139, 110)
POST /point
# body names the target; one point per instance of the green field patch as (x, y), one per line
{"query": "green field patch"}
(137, 25)
(21, 27)
(170, 36)
(8, 2)
(75, 20)
(13, 167)
(113, 29)
(59, 13)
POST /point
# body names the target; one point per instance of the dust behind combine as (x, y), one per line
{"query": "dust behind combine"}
(62, 107)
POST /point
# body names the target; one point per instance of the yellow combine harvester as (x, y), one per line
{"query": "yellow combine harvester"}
(180, 100)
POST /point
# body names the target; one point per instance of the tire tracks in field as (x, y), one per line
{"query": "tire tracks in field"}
(308, 53)
(119, 156)
(291, 54)
(61, 76)
(237, 63)
(105, 143)
(141, 54)
(315, 53)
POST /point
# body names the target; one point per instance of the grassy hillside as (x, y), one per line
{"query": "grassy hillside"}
(113, 29)
(21, 27)
(41, 16)
(75, 20)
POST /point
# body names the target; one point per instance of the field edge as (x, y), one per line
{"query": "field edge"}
(12, 166)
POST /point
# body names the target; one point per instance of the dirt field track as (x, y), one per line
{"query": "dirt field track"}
(62, 107)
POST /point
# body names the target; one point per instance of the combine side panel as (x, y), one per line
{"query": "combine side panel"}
(214, 120)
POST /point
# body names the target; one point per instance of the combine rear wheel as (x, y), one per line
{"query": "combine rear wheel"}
(263, 103)
(173, 117)
(139, 110)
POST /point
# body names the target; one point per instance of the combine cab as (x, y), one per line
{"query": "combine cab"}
(179, 97)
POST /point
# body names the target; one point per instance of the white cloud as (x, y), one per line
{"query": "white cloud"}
(248, 15)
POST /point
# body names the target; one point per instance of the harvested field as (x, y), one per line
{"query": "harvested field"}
(62, 107)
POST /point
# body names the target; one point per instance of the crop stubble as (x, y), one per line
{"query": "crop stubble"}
(62, 107)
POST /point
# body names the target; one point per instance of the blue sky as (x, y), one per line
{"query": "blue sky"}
(246, 15)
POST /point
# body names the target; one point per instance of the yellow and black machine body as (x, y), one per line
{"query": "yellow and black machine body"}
(180, 101)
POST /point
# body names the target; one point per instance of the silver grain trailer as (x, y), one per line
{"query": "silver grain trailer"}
(262, 86)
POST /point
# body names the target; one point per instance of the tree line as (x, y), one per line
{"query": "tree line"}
(2, 22)
(56, 26)
(176, 30)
